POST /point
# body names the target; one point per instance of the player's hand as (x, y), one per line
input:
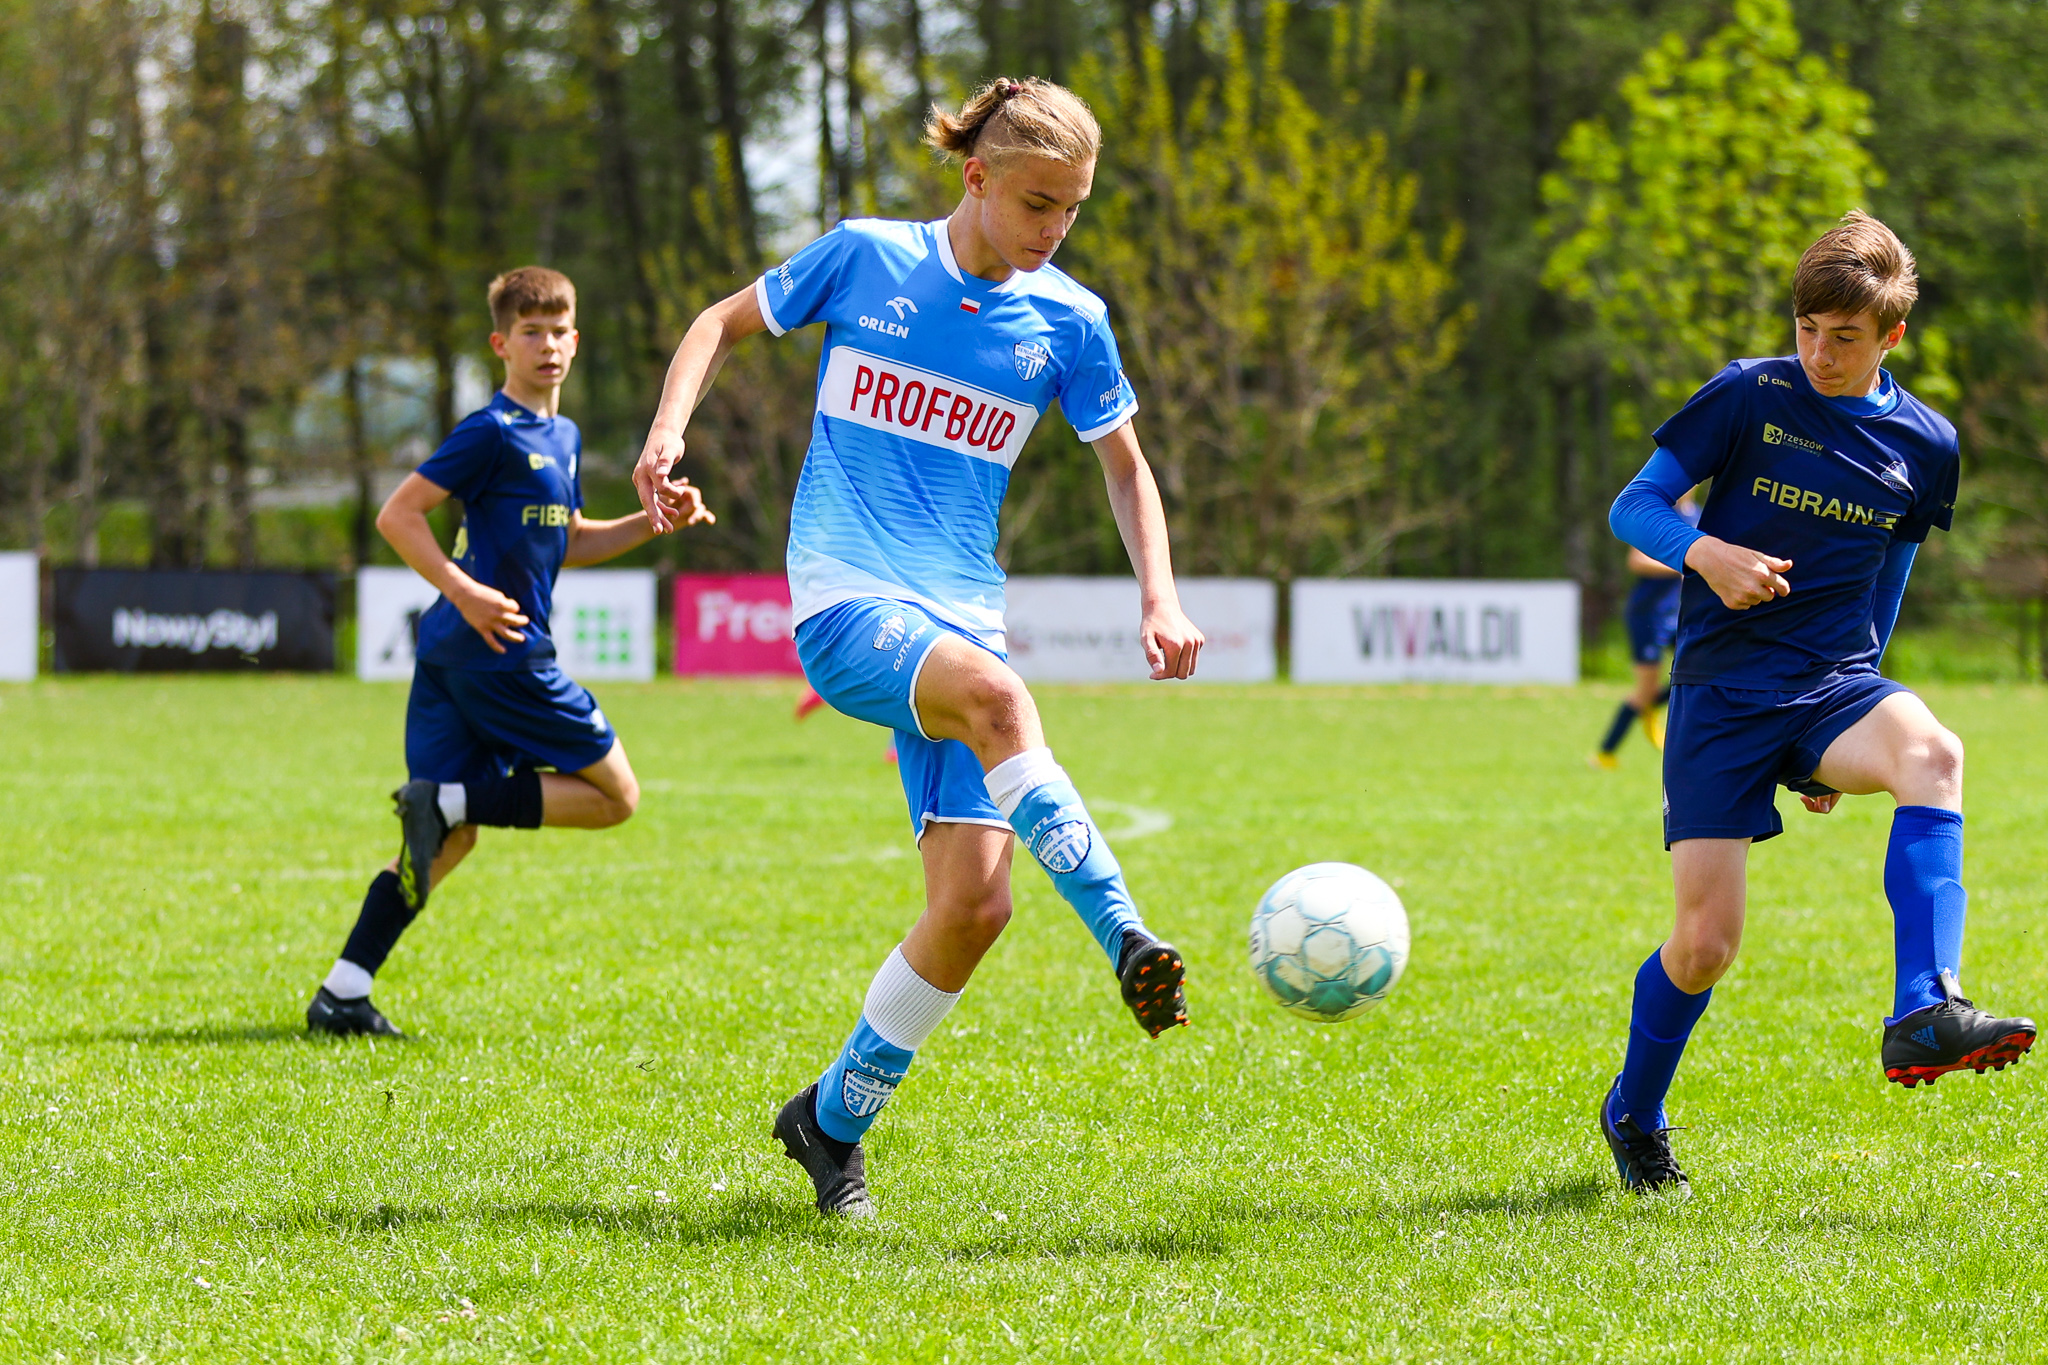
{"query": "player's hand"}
(669, 503)
(1172, 642)
(1820, 805)
(492, 615)
(1741, 578)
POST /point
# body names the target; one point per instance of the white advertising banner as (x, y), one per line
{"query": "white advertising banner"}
(388, 607)
(602, 621)
(1086, 629)
(21, 594)
(1435, 630)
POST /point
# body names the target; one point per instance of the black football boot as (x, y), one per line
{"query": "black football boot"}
(419, 816)
(1151, 974)
(329, 1013)
(1642, 1156)
(838, 1170)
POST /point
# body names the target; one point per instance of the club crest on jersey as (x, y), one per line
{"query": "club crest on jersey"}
(534, 461)
(1895, 478)
(1032, 358)
(891, 633)
(1061, 848)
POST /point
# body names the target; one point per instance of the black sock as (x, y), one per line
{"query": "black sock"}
(377, 929)
(508, 802)
(1618, 731)
(834, 1148)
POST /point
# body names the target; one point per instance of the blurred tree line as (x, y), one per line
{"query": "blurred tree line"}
(1402, 284)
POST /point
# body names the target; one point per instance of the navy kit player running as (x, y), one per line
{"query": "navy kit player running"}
(1652, 620)
(489, 708)
(1827, 476)
(944, 344)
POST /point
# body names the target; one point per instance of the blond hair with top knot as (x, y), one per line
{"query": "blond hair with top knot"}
(1007, 118)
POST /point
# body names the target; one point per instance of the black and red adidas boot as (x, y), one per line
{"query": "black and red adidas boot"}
(1152, 974)
(1952, 1036)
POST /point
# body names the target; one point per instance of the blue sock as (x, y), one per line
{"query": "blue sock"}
(901, 1010)
(1043, 808)
(859, 1082)
(1618, 731)
(1923, 879)
(1658, 1026)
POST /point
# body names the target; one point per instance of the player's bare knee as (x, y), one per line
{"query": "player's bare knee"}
(997, 705)
(1700, 959)
(1941, 759)
(982, 914)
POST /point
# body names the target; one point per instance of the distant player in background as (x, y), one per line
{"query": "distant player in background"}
(945, 342)
(1836, 474)
(489, 709)
(1652, 619)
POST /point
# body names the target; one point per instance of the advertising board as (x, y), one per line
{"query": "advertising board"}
(1435, 630)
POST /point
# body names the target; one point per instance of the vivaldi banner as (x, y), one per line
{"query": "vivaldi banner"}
(1435, 630)
(196, 620)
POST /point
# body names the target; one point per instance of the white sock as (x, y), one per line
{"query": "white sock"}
(904, 1007)
(347, 980)
(1010, 781)
(454, 799)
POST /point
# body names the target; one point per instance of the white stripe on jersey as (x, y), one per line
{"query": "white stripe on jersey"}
(903, 400)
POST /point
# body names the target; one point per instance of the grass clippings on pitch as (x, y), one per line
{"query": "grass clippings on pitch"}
(571, 1161)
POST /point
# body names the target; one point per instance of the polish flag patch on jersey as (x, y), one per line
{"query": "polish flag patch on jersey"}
(969, 306)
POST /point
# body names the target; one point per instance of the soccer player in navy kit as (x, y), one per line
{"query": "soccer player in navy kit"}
(489, 708)
(945, 343)
(1652, 620)
(1827, 477)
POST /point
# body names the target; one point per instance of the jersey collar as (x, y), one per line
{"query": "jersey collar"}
(1868, 405)
(945, 250)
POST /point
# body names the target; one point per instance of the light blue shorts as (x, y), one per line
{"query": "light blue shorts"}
(863, 657)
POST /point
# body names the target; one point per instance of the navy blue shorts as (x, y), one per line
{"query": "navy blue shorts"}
(464, 723)
(1727, 749)
(1652, 617)
(863, 657)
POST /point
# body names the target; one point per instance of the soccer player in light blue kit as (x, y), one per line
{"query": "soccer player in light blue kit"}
(1835, 475)
(944, 344)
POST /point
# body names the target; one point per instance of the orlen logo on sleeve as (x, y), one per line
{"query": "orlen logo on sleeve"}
(887, 395)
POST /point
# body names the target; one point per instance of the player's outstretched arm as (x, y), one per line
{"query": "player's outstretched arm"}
(704, 348)
(1172, 642)
(593, 542)
(403, 522)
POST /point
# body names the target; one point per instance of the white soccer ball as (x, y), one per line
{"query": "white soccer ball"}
(1329, 941)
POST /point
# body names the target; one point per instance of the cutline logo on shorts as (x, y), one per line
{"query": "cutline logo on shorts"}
(1061, 845)
(891, 633)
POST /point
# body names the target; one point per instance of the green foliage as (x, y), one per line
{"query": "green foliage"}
(571, 1162)
(1282, 314)
(1681, 226)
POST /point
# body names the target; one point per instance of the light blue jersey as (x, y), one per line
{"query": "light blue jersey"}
(931, 381)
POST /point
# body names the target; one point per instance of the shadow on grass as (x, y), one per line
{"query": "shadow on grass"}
(1173, 1243)
(739, 1219)
(192, 1035)
(1564, 1196)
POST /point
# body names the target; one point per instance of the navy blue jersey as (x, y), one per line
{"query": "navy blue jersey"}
(516, 475)
(1828, 484)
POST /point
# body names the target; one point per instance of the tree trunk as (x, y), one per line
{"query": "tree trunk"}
(620, 177)
(732, 128)
(920, 59)
(88, 400)
(689, 98)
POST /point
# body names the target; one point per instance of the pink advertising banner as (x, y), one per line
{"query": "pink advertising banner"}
(734, 623)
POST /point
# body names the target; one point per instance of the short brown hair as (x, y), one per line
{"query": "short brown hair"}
(1009, 117)
(529, 289)
(1857, 265)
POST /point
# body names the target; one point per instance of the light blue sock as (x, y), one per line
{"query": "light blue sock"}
(901, 1010)
(1035, 796)
(1923, 879)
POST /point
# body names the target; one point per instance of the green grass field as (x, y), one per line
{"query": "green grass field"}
(571, 1161)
